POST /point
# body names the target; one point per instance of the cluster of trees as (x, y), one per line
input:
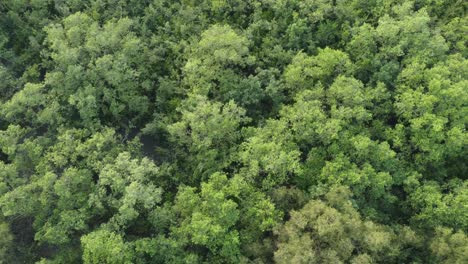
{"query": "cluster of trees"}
(231, 131)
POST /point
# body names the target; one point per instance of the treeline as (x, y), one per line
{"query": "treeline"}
(230, 131)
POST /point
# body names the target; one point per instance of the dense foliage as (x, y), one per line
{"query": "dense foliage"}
(233, 131)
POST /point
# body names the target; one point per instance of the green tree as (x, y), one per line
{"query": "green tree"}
(432, 108)
(306, 72)
(99, 71)
(103, 246)
(437, 205)
(209, 217)
(209, 133)
(220, 67)
(333, 231)
(448, 246)
(6, 242)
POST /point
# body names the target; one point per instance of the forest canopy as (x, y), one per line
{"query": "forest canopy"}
(233, 131)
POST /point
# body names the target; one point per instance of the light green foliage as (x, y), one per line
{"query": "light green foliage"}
(70, 192)
(432, 104)
(210, 132)
(305, 72)
(209, 217)
(219, 46)
(348, 101)
(104, 247)
(62, 180)
(337, 151)
(217, 64)
(31, 99)
(449, 247)
(408, 34)
(222, 45)
(453, 33)
(441, 206)
(363, 178)
(98, 69)
(80, 147)
(127, 188)
(308, 120)
(10, 138)
(330, 231)
(402, 36)
(269, 156)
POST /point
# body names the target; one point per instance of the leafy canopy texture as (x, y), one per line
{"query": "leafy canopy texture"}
(233, 131)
